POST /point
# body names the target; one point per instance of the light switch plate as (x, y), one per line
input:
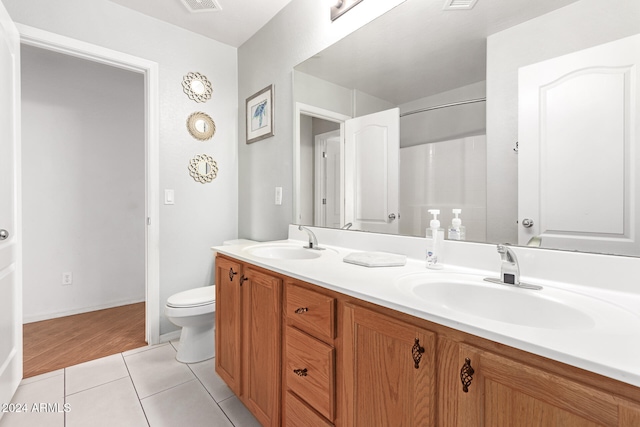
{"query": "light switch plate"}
(278, 195)
(169, 197)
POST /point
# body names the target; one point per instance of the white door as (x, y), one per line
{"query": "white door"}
(579, 151)
(327, 179)
(372, 146)
(10, 255)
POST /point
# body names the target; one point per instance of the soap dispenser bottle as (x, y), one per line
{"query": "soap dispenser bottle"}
(457, 230)
(435, 241)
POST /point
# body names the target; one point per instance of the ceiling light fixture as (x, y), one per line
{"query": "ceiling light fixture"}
(341, 7)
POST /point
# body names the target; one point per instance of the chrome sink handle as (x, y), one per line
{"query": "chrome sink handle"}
(313, 241)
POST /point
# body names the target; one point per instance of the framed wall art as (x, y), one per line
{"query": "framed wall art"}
(260, 115)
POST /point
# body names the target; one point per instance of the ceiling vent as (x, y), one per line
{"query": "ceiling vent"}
(202, 5)
(459, 4)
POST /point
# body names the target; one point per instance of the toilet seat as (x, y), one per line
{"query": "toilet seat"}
(197, 297)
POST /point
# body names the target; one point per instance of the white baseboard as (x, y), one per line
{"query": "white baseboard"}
(55, 315)
(170, 336)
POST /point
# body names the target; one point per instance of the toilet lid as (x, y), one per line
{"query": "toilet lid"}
(193, 297)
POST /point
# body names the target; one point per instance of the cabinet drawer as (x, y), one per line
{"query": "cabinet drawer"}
(310, 371)
(311, 312)
(299, 414)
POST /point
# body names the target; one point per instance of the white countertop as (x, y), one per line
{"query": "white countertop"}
(612, 351)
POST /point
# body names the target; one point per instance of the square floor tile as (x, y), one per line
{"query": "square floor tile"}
(112, 404)
(47, 390)
(206, 373)
(156, 370)
(238, 413)
(42, 376)
(94, 373)
(141, 349)
(188, 404)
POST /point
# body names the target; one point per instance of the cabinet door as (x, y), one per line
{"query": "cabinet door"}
(504, 392)
(389, 371)
(262, 345)
(228, 323)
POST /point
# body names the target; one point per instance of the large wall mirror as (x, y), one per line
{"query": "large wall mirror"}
(523, 114)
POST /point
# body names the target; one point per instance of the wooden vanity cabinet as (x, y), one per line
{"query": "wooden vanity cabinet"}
(481, 388)
(297, 354)
(389, 370)
(248, 322)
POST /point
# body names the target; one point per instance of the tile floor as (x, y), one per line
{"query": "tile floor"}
(142, 387)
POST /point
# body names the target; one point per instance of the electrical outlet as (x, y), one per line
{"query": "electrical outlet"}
(67, 278)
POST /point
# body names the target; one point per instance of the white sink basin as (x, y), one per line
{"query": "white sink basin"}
(549, 308)
(283, 251)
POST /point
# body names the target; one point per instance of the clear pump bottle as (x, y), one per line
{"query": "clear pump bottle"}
(435, 241)
(457, 231)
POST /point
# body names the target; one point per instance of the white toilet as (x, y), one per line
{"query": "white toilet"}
(194, 310)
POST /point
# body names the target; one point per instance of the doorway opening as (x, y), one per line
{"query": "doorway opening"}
(318, 167)
(98, 180)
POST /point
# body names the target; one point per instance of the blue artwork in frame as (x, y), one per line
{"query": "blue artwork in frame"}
(260, 115)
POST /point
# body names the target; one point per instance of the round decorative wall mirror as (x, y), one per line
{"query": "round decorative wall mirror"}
(203, 168)
(197, 87)
(201, 126)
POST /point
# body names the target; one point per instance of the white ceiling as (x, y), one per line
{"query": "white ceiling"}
(234, 24)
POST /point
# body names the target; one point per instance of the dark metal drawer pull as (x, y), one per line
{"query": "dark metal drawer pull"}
(300, 372)
(301, 310)
(231, 274)
(466, 375)
(416, 353)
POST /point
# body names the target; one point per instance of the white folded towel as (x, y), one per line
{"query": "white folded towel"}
(376, 259)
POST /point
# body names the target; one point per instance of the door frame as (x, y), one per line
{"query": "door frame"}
(320, 176)
(320, 113)
(79, 49)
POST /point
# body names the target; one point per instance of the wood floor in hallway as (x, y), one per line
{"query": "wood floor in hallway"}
(66, 341)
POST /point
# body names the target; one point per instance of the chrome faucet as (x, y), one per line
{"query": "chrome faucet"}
(347, 226)
(510, 270)
(313, 242)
